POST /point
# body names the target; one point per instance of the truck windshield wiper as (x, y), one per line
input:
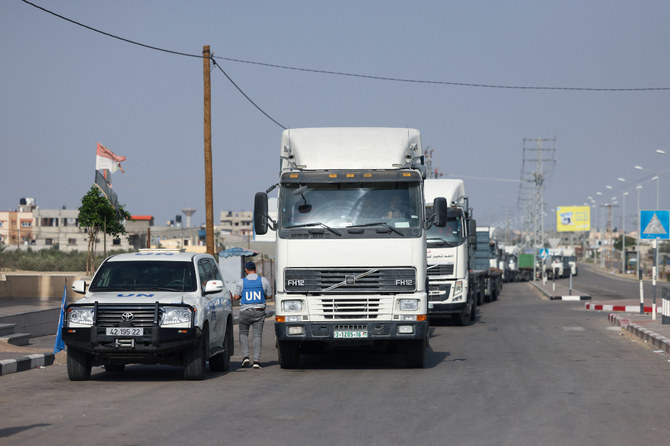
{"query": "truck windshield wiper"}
(316, 223)
(441, 241)
(381, 223)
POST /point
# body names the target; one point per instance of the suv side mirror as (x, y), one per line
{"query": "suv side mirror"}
(261, 213)
(440, 212)
(213, 286)
(79, 286)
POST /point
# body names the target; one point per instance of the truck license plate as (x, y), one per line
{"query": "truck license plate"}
(351, 333)
(124, 331)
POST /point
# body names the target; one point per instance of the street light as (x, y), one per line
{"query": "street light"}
(657, 178)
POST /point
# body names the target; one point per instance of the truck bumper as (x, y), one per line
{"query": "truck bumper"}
(445, 309)
(157, 345)
(345, 332)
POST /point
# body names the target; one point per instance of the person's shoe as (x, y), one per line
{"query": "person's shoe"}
(257, 365)
(245, 362)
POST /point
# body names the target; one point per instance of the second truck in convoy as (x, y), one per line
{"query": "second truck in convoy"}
(351, 241)
(455, 284)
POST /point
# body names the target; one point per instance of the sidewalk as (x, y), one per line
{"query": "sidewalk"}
(39, 351)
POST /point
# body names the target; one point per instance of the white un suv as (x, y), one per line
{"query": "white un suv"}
(150, 307)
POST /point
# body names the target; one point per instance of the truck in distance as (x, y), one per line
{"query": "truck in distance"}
(350, 241)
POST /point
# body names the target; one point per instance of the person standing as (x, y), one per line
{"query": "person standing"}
(252, 291)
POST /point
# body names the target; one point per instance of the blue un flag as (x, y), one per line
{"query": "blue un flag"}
(59, 344)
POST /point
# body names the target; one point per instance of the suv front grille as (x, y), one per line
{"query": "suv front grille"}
(109, 315)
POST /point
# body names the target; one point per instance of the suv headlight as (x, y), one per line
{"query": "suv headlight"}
(176, 317)
(408, 304)
(80, 317)
(291, 306)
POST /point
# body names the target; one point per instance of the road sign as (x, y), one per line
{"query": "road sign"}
(655, 225)
(544, 253)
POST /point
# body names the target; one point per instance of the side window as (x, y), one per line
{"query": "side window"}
(216, 274)
(202, 273)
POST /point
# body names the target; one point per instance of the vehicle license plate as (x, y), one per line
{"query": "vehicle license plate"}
(124, 331)
(351, 333)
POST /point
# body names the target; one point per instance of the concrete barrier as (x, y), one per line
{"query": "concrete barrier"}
(44, 286)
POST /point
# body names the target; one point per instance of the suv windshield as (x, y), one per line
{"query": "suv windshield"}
(343, 205)
(145, 276)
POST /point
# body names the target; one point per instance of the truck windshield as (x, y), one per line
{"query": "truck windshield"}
(144, 276)
(343, 205)
(450, 235)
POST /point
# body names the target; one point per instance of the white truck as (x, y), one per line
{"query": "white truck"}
(351, 241)
(150, 307)
(454, 285)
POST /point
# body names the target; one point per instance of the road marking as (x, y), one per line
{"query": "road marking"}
(573, 328)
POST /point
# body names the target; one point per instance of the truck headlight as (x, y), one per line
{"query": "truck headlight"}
(458, 289)
(80, 317)
(291, 305)
(408, 304)
(176, 316)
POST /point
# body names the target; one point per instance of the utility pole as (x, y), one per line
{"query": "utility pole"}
(209, 201)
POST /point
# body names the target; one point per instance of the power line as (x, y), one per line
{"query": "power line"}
(356, 75)
(245, 95)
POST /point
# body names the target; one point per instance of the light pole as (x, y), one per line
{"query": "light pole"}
(639, 234)
(623, 232)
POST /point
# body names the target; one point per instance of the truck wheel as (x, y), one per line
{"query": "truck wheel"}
(112, 367)
(289, 354)
(221, 362)
(415, 353)
(78, 365)
(494, 295)
(467, 315)
(194, 360)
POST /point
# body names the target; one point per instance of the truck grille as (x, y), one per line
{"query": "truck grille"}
(111, 315)
(441, 270)
(350, 280)
(350, 308)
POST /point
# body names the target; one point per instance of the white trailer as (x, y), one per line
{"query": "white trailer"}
(351, 243)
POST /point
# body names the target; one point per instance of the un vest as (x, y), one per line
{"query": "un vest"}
(252, 292)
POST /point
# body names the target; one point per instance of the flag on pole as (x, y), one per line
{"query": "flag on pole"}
(59, 344)
(106, 189)
(107, 160)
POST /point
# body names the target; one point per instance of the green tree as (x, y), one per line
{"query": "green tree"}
(630, 242)
(97, 215)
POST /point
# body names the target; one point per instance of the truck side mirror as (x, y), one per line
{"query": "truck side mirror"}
(261, 213)
(472, 232)
(440, 212)
(79, 286)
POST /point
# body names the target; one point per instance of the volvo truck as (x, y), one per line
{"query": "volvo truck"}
(454, 286)
(350, 242)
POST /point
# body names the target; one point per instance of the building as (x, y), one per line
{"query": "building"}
(236, 222)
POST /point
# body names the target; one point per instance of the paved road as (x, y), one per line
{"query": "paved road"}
(528, 372)
(601, 285)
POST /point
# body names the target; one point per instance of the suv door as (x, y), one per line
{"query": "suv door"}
(213, 303)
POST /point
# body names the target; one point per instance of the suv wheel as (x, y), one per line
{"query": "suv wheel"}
(195, 359)
(78, 365)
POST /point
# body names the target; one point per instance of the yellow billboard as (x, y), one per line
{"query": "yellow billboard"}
(573, 218)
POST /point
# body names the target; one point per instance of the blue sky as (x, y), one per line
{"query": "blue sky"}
(65, 88)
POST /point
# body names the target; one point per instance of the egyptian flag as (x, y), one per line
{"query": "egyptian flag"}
(107, 160)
